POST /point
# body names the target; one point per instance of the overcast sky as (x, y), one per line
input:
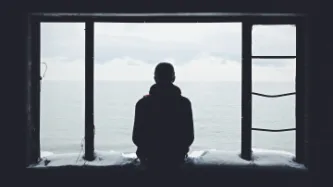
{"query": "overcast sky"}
(199, 51)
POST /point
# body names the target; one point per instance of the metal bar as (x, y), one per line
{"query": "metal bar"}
(273, 57)
(89, 91)
(300, 88)
(272, 130)
(246, 152)
(273, 96)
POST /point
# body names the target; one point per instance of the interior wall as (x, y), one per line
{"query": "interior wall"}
(321, 84)
(14, 89)
(319, 52)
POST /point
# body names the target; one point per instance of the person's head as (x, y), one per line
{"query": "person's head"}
(164, 73)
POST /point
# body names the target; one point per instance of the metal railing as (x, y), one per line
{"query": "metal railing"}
(273, 130)
(273, 96)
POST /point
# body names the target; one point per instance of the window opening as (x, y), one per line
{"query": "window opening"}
(207, 59)
(246, 89)
(62, 88)
(248, 50)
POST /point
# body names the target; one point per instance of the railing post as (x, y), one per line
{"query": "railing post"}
(246, 152)
(89, 91)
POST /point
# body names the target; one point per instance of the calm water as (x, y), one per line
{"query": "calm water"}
(216, 110)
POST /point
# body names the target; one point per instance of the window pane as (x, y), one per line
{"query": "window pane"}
(207, 59)
(274, 77)
(277, 40)
(62, 89)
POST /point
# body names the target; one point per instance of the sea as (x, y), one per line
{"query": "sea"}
(216, 113)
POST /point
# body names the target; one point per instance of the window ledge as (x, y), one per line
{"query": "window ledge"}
(262, 159)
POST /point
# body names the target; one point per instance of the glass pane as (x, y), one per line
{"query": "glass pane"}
(206, 57)
(278, 40)
(274, 77)
(62, 88)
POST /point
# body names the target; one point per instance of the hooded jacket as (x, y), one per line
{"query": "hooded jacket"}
(163, 124)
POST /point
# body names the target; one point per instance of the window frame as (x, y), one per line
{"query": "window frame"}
(300, 84)
(247, 21)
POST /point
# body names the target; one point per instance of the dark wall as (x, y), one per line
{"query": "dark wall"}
(321, 103)
(14, 89)
(319, 50)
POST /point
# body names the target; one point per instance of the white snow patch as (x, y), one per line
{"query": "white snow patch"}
(196, 154)
(129, 155)
(45, 154)
(216, 157)
(200, 153)
(103, 158)
(261, 157)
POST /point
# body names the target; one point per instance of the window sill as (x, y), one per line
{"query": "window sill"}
(197, 159)
(202, 168)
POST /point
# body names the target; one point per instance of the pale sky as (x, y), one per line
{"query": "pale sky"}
(199, 51)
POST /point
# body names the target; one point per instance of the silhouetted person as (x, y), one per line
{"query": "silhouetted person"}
(163, 124)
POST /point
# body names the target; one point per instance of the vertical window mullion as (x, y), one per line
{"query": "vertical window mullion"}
(300, 90)
(89, 91)
(36, 79)
(34, 93)
(246, 151)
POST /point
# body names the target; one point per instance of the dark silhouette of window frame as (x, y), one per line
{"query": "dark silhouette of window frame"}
(247, 89)
(247, 20)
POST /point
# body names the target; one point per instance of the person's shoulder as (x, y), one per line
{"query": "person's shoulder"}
(143, 100)
(185, 100)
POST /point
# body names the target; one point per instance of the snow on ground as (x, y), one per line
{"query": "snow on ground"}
(205, 157)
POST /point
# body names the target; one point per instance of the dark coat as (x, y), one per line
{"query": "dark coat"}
(163, 124)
